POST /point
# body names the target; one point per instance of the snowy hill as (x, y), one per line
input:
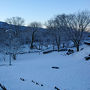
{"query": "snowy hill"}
(5, 25)
(38, 74)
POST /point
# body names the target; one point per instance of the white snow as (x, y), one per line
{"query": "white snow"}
(73, 72)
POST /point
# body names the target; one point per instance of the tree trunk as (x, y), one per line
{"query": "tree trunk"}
(31, 45)
(10, 56)
(14, 56)
(53, 47)
(58, 48)
(77, 47)
(63, 45)
(32, 40)
(58, 43)
(39, 46)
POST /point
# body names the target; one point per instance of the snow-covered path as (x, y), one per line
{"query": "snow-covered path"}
(73, 72)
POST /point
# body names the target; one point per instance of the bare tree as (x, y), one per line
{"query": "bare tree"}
(56, 28)
(73, 25)
(51, 31)
(76, 25)
(15, 24)
(34, 26)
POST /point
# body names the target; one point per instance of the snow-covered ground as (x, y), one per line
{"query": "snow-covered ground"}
(73, 72)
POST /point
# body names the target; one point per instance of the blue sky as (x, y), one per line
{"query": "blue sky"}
(40, 10)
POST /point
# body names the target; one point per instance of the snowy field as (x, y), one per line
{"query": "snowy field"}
(73, 72)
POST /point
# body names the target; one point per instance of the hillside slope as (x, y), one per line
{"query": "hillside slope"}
(73, 72)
